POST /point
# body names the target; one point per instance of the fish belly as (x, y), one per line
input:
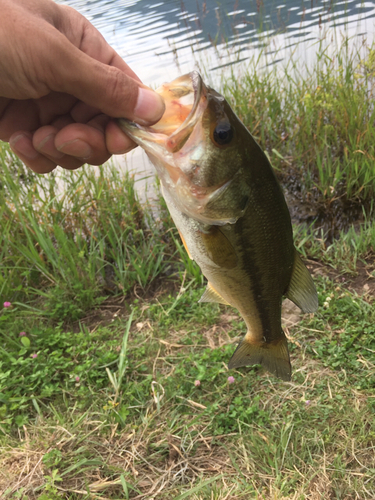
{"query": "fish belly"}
(258, 303)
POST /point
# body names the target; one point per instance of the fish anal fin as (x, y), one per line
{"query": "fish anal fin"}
(301, 289)
(273, 356)
(219, 249)
(211, 295)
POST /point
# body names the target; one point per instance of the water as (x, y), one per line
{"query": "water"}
(161, 40)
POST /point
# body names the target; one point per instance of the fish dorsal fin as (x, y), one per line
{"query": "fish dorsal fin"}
(273, 356)
(301, 289)
(211, 295)
(219, 249)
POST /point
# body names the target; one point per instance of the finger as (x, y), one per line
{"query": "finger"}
(44, 142)
(62, 121)
(83, 142)
(46, 146)
(104, 87)
(39, 152)
(21, 145)
(70, 163)
(117, 142)
(18, 115)
(82, 113)
(4, 102)
(53, 105)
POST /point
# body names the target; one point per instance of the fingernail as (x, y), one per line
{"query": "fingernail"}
(76, 148)
(22, 145)
(47, 146)
(149, 108)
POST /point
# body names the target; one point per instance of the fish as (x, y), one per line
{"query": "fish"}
(231, 214)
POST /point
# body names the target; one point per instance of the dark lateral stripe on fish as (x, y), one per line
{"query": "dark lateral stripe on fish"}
(252, 269)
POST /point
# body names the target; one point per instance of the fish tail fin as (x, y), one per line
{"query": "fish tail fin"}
(273, 356)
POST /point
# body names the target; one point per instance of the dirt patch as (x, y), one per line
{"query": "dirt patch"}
(363, 283)
(290, 314)
(332, 212)
(118, 306)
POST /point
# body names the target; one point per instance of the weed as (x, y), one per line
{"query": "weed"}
(117, 379)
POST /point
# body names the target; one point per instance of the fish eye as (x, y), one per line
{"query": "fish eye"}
(223, 133)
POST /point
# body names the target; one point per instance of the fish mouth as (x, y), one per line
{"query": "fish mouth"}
(183, 95)
(167, 143)
(183, 108)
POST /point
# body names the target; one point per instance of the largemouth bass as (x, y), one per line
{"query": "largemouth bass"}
(231, 214)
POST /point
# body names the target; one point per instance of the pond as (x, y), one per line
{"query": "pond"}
(160, 40)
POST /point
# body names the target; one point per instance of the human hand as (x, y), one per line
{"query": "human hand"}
(60, 85)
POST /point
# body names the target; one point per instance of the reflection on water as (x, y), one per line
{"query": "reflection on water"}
(161, 39)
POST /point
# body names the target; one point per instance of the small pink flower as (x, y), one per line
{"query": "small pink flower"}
(307, 402)
(7, 304)
(231, 380)
(197, 383)
(22, 334)
(35, 355)
(77, 379)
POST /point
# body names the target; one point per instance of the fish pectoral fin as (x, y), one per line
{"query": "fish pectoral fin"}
(211, 295)
(301, 289)
(273, 356)
(219, 249)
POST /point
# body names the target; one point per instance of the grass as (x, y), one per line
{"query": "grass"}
(315, 122)
(104, 341)
(70, 237)
(161, 435)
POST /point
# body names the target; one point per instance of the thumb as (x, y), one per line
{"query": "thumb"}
(107, 88)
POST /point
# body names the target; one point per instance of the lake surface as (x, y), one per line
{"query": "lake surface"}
(162, 39)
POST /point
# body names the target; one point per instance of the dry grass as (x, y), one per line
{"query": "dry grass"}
(164, 459)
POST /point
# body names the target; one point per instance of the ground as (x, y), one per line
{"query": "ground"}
(310, 438)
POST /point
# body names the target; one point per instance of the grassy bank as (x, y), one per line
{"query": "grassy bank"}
(71, 238)
(317, 125)
(114, 380)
